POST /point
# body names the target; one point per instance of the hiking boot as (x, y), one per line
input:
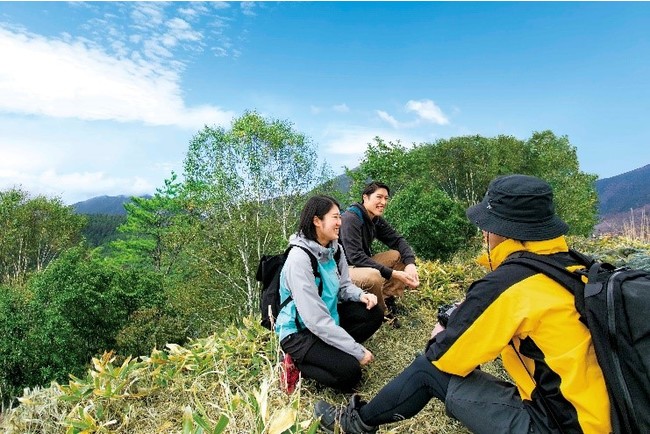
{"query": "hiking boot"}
(347, 418)
(392, 320)
(289, 375)
(391, 312)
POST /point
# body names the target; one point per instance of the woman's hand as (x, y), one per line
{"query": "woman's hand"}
(367, 358)
(370, 300)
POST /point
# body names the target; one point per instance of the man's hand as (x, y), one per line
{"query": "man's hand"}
(412, 271)
(370, 300)
(406, 279)
(436, 329)
(367, 358)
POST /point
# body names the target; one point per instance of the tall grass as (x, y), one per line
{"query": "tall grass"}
(637, 227)
(229, 382)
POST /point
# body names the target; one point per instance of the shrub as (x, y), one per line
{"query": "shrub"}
(434, 225)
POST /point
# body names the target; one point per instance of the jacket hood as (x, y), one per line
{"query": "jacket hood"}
(323, 254)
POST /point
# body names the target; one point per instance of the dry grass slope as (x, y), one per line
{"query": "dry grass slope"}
(229, 383)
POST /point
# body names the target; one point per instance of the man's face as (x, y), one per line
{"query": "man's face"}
(375, 203)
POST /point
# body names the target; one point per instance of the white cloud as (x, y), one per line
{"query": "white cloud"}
(345, 145)
(72, 79)
(88, 184)
(428, 111)
(388, 118)
(314, 109)
(341, 108)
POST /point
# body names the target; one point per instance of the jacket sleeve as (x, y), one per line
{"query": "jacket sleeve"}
(479, 329)
(351, 234)
(391, 238)
(300, 281)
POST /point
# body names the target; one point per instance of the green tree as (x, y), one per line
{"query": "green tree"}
(434, 224)
(156, 229)
(386, 162)
(74, 310)
(463, 166)
(102, 228)
(555, 160)
(248, 184)
(33, 231)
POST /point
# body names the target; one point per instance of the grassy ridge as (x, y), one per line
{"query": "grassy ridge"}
(229, 382)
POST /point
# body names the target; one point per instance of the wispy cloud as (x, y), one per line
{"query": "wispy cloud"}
(74, 79)
(248, 8)
(428, 111)
(388, 118)
(347, 143)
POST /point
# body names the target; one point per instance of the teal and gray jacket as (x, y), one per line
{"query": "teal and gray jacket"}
(317, 313)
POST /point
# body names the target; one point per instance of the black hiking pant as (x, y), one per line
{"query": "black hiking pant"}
(328, 365)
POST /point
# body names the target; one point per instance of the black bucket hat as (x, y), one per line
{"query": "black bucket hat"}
(518, 207)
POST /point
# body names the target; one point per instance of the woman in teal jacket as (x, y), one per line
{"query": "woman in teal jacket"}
(323, 332)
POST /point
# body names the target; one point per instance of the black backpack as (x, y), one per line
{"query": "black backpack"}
(615, 306)
(268, 273)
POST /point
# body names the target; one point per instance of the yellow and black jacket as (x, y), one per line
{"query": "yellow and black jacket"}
(529, 319)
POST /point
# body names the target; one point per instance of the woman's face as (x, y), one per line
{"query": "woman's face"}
(327, 228)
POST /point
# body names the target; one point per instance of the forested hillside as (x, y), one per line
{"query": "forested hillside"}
(181, 273)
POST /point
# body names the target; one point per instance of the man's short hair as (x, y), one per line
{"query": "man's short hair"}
(372, 187)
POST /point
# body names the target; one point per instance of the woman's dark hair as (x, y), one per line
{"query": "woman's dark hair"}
(316, 206)
(372, 187)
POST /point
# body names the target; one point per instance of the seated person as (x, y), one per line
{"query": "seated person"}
(384, 274)
(525, 316)
(323, 333)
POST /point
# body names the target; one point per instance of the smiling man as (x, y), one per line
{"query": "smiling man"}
(385, 274)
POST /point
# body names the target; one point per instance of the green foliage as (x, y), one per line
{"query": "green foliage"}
(555, 160)
(385, 162)
(66, 314)
(434, 224)
(156, 230)
(210, 385)
(151, 327)
(463, 167)
(15, 319)
(33, 231)
(102, 228)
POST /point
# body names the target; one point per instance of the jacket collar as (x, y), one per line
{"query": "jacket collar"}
(509, 246)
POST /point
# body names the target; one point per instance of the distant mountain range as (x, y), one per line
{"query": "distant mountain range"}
(107, 205)
(622, 198)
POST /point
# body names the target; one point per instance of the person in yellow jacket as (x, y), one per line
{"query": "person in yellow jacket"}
(523, 316)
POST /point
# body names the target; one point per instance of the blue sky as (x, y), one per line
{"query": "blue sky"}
(103, 97)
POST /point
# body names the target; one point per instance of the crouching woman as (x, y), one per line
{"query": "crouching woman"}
(328, 317)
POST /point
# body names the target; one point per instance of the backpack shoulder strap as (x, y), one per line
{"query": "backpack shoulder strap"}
(314, 268)
(549, 267)
(338, 254)
(356, 211)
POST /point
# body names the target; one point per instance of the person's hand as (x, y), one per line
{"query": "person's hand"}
(370, 300)
(412, 271)
(406, 279)
(436, 329)
(367, 358)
